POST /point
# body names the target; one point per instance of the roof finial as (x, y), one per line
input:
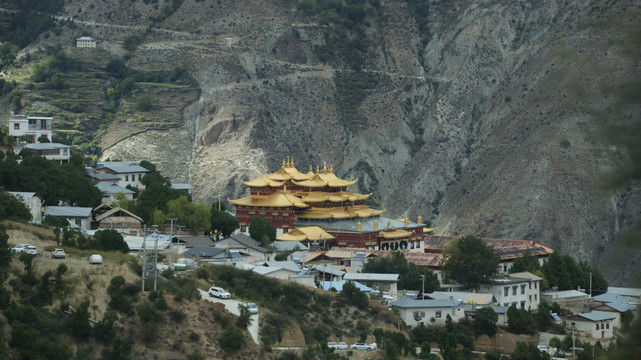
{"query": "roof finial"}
(292, 164)
(310, 169)
(317, 169)
(283, 162)
(324, 167)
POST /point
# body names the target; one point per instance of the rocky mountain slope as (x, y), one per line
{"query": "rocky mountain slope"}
(483, 117)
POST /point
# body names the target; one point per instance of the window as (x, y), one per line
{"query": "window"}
(529, 298)
(16, 126)
(535, 297)
(64, 152)
(438, 314)
(139, 177)
(530, 285)
(422, 314)
(602, 326)
(597, 326)
(126, 177)
(522, 289)
(506, 291)
(522, 304)
(535, 285)
(607, 326)
(514, 290)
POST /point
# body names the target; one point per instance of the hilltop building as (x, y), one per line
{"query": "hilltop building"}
(30, 127)
(290, 199)
(86, 42)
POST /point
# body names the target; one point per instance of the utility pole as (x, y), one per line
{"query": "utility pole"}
(590, 283)
(155, 256)
(171, 237)
(144, 257)
(423, 289)
(573, 346)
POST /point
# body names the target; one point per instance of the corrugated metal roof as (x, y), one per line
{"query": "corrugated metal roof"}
(371, 277)
(634, 292)
(338, 285)
(410, 302)
(597, 315)
(68, 211)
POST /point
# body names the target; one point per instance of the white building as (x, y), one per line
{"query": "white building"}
(128, 173)
(520, 289)
(33, 203)
(51, 151)
(31, 127)
(596, 324)
(414, 312)
(78, 217)
(86, 42)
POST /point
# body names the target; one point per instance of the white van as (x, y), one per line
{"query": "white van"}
(95, 259)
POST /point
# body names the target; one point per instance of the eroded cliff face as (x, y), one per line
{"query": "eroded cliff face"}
(485, 124)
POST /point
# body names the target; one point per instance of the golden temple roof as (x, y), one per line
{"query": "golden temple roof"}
(361, 211)
(305, 233)
(263, 181)
(275, 199)
(288, 171)
(395, 234)
(342, 196)
(325, 179)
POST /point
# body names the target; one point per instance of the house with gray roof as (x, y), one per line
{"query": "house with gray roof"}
(128, 173)
(338, 286)
(245, 243)
(617, 309)
(110, 190)
(206, 253)
(385, 283)
(78, 217)
(118, 219)
(60, 153)
(415, 311)
(596, 324)
(609, 298)
(631, 293)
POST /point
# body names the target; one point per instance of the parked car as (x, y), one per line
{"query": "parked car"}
(20, 248)
(219, 293)
(543, 348)
(363, 346)
(337, 345)
(58, 254)
(95, 259)
(253, 308)
(31, 250)
(559, 353)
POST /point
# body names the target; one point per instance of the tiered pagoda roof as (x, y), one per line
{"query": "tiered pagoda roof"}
(306, 233)
(275, 199)
(321, 194)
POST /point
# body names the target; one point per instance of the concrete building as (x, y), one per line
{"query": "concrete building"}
(520, 289)
(86, 42)
(596, 324)
(416, 311)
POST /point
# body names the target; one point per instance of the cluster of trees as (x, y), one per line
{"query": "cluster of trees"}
(51, 69)
(54, 183)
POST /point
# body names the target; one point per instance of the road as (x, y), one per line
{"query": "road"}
(232, 306)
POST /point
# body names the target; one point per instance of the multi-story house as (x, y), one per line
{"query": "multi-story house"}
(520, 289)
(30, 127)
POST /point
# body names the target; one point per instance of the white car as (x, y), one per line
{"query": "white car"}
(543, 348)
(31, 250)
(363, 346)
(253, 308)
(58, 254)
(20, 248)
(219, 293)
(95, 259)
(337, 345)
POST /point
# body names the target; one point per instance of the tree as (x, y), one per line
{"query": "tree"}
(143, 102)
(11, 208)
(259, 227)
(527, 262)
(222, 223)
(520, 321)
(485, 322)
(354, 296)
(193, 216)
(5, 253)
(231, 339)
(110, 240)
(470, 262)
(543, 318)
